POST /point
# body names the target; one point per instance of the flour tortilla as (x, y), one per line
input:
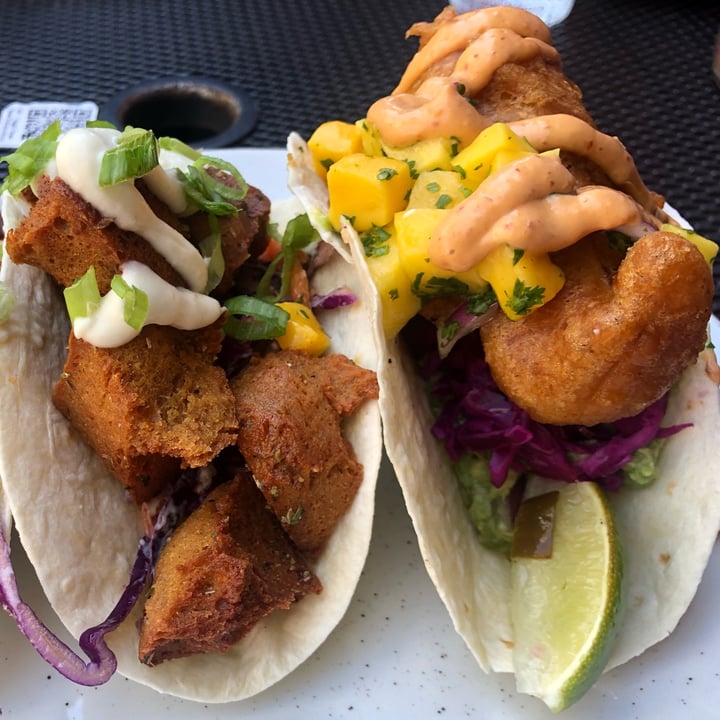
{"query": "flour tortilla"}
(80, 533)
(667, 530)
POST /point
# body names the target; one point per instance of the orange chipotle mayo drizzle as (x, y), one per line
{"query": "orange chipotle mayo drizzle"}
(528, 204)
(531, 204)
(484, 41)
(571, 133)
(456, 34)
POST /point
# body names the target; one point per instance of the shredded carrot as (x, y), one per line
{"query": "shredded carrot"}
(271, 251)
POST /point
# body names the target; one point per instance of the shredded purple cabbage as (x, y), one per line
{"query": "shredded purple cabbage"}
(475, 416)
(340, 297)
(190, 489)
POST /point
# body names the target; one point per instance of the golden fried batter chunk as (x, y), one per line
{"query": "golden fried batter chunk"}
(225, 568)
(64, 235)
(600, 350)
(291, 437)
(151, 406)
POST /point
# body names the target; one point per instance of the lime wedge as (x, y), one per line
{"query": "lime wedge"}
(566, 595)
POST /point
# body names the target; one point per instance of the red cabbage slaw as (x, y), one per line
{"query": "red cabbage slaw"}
(191, 487)
(474, 416)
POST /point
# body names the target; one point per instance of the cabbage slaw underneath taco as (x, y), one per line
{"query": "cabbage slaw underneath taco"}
(491, 119)
(80, 516)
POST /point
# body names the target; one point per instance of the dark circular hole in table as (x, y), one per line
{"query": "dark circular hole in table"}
(196, 111)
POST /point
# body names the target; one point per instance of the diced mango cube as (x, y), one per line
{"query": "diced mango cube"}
(707, 247)
(439, 189)
(303, 330)
(429, 154)
(397, 301)
(331, 141)
(475, 162)
(367, 190)
(370, 138)
(522, 281)
(414, 230)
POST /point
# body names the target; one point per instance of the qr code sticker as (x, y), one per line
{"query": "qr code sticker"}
(20, 121)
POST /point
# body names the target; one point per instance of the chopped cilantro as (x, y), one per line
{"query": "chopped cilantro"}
(394, 294)
(437, 287)
(524, 297)
(517, 255)
(454, 146)
(479, 303)
(448, 332)
(386, 174)
(375, 241)
(413, 170)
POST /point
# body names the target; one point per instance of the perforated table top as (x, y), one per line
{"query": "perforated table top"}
(644, 67)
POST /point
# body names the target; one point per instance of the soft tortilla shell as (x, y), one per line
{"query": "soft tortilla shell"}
(80, 533)
(667, 530)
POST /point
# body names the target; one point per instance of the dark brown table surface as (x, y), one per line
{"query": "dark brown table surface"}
(644, 67)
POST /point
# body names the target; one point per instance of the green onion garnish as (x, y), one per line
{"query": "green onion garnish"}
(82, 298)
(30, 159)
(100, 124)
(260, 320)
(174, 145)
(211, 248)
(299, 233)
(135, 155)
(135, 302)
(211, 195)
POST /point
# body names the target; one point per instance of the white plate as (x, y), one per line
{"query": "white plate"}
(395, 655)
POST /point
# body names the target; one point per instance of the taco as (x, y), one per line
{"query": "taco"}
(190, 437)
(538, 328)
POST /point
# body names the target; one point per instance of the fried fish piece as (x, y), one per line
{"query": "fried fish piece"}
(227, 566)
(601, 350)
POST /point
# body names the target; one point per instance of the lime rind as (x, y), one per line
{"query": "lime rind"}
(543, 602)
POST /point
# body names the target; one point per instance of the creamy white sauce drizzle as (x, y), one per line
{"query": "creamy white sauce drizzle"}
(164, 183)
(78, 158)
(168, 305)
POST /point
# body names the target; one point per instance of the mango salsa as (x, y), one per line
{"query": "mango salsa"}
(367, 190)
(477, 160)
(430, 154)
(707, 247)
(331, 141)
(439, 189)
(303, 330)
(522, 281)
(414, 228)
(397, 300)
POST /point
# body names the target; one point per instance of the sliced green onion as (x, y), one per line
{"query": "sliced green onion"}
(174, 145)
(100, 124)
(259, 320)
(135, 302)
(82, 298)
(7, 302)
(211, 248)
(299, 233)
(30, 159)
(135, 155)
(209, 194)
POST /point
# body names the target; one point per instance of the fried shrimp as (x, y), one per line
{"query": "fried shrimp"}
(601, 350)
